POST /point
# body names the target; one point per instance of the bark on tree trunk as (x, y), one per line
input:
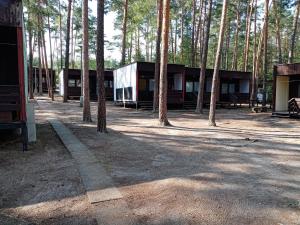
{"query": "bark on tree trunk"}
(124, 31)
(60, 36)
(67, 63)
(101, 115)
(266, 32)
(51, 61)
(278, 31)
(157, 50)
(85, 65)
(254, 82)
(199, 108)
(30, 70)
(182, 34)
(247, 44)
(163, 85)
(215, 81)
(193, 34)
(40, 86)
(295, 27)
(46, 66)
(236, 38)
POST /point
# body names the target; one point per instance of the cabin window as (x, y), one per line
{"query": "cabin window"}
(189, 87)
(108, 84)
(244, 86)
(178, 82)
(208, 85)
(196, 86)
(231, 88)
(72, 83)
(151, 84)
(119, 94)
(225, 88)
(128, 93)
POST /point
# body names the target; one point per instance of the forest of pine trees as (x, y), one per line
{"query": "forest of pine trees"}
(138, 32)
(250, 35)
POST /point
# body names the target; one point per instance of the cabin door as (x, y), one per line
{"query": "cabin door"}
(228, 88)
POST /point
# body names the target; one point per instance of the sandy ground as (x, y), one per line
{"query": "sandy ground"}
(245, 171)
(41, 186)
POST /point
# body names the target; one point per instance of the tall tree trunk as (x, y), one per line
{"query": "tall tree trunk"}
(259, 52)
(46, 65)
(40, 89)
(247, 42)
(258, 57)
(215, 81)
(147, 42)
(278, 31)
(193, 34)
(236, 38)
(130, 49)
(151, 47)
(85, 65)
(175, 40)
(163, 85)
(199, 32)
(227, 48)
(157, 53)
(295, 27)
(266, 32)
(172, 41)
(72, 37)
(60, 35)
(199, 108)
(51, 60)
(124, 32)
(254, 80)
(101, 117)
(182, 33)
(67, 63)
(30, 68)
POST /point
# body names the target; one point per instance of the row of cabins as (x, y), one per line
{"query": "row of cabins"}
(134, 84)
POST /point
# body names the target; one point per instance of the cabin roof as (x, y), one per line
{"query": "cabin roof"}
(189, 71)
(77, 72)
(287, 69)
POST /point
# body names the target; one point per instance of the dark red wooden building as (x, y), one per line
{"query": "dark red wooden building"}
(74, 84)
(12, 73)
(134, 84)
(234, 86)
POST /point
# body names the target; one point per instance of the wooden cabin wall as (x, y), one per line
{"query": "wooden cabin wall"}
(8, 61)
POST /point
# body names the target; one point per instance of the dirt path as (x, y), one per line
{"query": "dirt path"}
(245, 171)
(41, 186)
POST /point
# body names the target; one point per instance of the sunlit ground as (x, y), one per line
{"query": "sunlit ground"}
(245, 171)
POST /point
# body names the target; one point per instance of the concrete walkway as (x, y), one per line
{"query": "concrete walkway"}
(109, 207)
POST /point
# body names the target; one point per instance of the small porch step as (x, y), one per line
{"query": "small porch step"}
(189, 105)
(146, 105)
